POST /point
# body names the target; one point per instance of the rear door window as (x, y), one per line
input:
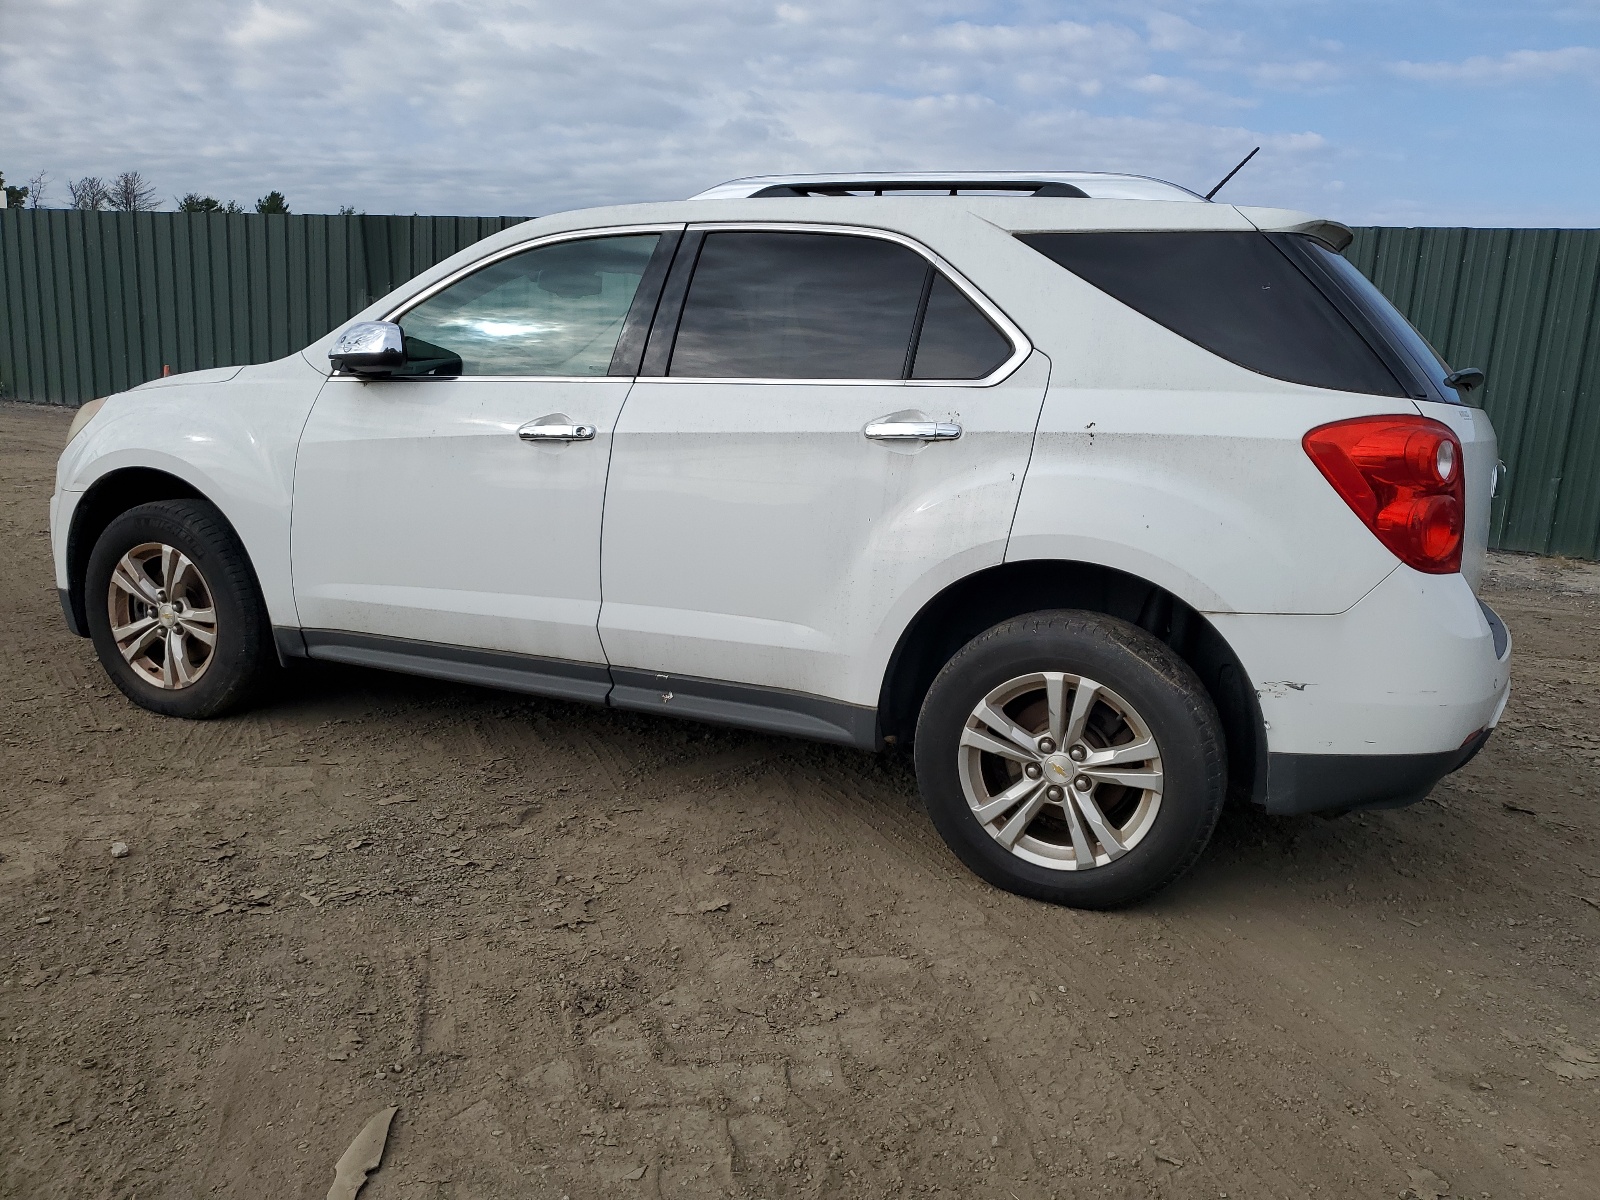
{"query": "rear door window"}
(1236, 294)
(797, 305)
(957, 341)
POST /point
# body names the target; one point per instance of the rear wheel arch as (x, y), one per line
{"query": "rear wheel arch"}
(982, 600)
(105, 500)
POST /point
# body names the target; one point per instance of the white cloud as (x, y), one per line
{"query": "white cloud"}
(526, 106)
(265, 25)
(1011, 39)
(1172, 33)
(1307, 73)
(1518, 66)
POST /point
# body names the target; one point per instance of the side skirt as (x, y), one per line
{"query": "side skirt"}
(556, 677)
(745, 706)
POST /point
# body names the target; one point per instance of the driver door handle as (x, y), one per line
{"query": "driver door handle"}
(533, 431)
(912, 431)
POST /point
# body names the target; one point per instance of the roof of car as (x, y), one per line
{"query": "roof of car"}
(1086, 185)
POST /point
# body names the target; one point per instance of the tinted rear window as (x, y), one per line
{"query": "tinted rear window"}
(1392, 327)
(799, 306)
(1236, 294)
(791, 305)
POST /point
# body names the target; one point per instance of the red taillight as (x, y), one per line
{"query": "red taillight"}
(1403, 477)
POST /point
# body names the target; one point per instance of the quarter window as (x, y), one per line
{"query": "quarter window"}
(785, 305)
(1236, 294)
(557, 309)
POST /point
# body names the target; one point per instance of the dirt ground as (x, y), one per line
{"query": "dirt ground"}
(595, 954)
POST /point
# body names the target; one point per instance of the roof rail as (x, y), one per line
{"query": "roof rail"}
(1083, 185)
(955, 187)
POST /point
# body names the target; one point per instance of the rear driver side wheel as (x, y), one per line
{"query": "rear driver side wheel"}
(1071, 757)
(175, 611)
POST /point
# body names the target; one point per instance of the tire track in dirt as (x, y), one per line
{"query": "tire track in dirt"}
(615, 955)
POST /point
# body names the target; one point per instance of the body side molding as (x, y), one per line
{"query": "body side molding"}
(460, 664)
(747, 706)
(770, 710)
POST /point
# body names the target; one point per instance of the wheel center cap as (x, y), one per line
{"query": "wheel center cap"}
(1058, 768)
(168, 617)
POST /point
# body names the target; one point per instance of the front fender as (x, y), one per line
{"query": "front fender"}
(233, 441)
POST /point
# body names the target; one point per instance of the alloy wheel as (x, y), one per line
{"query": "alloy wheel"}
(163, 618)
(1061, 770)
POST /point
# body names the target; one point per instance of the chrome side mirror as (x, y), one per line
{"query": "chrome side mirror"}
(369, 348)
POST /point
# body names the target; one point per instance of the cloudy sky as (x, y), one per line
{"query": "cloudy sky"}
(1482, 112)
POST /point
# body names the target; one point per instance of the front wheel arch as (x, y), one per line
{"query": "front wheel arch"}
(105, 500)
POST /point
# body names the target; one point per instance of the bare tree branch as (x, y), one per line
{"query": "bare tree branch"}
(131, 192)
(37, 186)
(89, 193)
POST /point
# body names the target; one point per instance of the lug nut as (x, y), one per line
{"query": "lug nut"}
(1083, 783)
(1077, 754)
(1054, 793)
(1047, 745)
(1032, 771)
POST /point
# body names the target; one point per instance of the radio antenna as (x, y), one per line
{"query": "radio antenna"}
(1233, 172)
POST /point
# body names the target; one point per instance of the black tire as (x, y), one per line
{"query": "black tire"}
(242, 655)
(1144, 673)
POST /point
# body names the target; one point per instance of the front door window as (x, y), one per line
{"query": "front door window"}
(555, 310)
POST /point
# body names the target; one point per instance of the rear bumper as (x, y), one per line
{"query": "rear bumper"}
(1373, 706)
(1417, 667)
(1338, 783)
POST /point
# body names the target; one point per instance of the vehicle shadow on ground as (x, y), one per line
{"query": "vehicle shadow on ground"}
(1248, 848)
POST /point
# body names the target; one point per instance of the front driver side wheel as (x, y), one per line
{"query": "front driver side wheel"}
(175, 610)
(1071, 757)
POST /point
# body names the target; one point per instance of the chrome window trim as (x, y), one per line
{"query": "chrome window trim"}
(571, 235)
(482, 378)
(1021, 347)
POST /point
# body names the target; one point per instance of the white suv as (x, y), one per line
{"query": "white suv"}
(1111, 500)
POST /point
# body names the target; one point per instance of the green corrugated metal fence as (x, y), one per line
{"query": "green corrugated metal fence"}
(1523, 304)
(98, 302)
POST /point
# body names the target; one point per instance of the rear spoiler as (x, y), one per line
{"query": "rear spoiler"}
(1330, 233)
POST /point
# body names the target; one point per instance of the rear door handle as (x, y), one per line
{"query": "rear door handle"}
(912, 431)
(533, 431)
